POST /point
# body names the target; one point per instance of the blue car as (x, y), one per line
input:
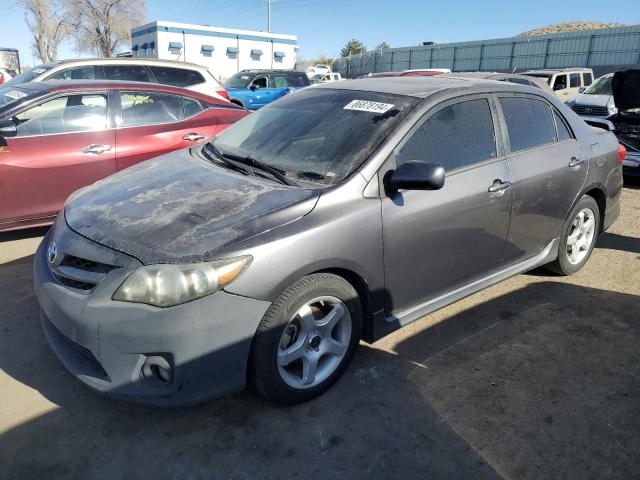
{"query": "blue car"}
(253, 89)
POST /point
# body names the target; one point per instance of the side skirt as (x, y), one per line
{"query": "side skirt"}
(393, 322)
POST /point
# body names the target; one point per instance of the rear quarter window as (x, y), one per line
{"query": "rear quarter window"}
(177, 77)
(529, 122)
(299, 80)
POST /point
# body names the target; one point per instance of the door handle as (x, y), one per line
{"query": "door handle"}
(193, 137)
(96, 149)
(499, 186)
(575, 162)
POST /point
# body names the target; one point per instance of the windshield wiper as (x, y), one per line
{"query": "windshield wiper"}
(257, 164)
(217, 157)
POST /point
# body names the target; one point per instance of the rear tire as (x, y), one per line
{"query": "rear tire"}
(579, 238)
(306, 339)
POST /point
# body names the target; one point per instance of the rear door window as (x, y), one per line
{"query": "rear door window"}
(529, 122)
(280, 81)
(178, 77)
(456, 136)
(133, 73)
(574, 80)
(587, 79)
(151, 108)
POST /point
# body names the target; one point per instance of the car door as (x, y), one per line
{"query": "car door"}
(62, 144)
(154, 123)
(548, 168)
(574, 85)
(561, 87)
(281, 86)
(438, 241)
(262, 88)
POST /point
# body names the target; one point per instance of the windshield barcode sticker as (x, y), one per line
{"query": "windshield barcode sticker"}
(15, 94)
(367, 106)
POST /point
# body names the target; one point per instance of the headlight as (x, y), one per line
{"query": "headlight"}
(612, 109)
(166, 285)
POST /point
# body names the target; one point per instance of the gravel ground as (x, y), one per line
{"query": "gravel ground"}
(538, 377)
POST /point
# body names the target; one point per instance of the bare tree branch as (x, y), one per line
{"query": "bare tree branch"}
(46, 20)
(101, 26)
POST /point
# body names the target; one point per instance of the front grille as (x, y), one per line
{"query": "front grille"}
(80, 274)
(591, 110)
(75, 284)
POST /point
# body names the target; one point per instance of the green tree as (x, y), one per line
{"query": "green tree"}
(383, 46)
(353, 47)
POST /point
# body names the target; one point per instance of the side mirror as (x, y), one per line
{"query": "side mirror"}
(8, 128)
(416, 175)
(582, 89)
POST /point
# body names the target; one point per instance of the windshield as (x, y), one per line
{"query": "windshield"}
(28, 75)
(546, 77)
(602, 86)
(318, 135)
(10, 95)
(239, 80)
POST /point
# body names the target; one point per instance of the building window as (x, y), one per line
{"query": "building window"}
(232, 52)
(175, 47)
(207, 50)
(256, 54)
(278, 56)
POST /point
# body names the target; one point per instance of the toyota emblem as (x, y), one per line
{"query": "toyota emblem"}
(52, 253)
(588, 110)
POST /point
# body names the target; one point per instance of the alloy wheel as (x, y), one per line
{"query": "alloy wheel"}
(581, 235)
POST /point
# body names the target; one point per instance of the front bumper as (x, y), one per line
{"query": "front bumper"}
(105, 343)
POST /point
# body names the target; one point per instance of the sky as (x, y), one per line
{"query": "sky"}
(324, 26)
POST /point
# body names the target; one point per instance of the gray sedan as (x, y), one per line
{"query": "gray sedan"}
(337, 214)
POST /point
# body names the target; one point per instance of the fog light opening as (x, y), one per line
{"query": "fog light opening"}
(157, 370)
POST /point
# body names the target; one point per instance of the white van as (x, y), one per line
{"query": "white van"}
(565, 82)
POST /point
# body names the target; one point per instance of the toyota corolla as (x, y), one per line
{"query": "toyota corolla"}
(334, 215)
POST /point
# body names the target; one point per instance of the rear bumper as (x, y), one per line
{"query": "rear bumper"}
(106, 344)
(631, 164)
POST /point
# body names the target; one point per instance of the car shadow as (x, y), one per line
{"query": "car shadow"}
(22, 234)
(614, 241)
(540, 382)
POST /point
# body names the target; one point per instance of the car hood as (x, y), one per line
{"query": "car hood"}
(592, 100)
(626, 89)
(180, 208)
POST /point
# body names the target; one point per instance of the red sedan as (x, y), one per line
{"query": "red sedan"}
(56, 137)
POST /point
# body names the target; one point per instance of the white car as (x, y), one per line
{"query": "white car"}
(327, 78)
(565, 82)
(318, 70)
(166, 72)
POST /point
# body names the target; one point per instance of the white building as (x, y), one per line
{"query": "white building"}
(224, 51)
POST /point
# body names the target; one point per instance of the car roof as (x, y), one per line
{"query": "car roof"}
(258, 70)
(422, 87)
(558, 70)
(75, 85)
(124, 61)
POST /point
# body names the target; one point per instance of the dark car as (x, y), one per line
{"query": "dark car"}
(253, 89)
(56, 137)
(625, 86)
(340, 213)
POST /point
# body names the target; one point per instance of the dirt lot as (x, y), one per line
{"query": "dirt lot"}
(538, 377)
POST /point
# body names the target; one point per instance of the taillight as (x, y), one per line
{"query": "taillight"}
(1, 78)
(622, 152)
(223, 94)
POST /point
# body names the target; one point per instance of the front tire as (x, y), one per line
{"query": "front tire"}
(579, 238)
(306, 339)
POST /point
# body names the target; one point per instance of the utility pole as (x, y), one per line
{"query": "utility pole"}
(269, 2)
